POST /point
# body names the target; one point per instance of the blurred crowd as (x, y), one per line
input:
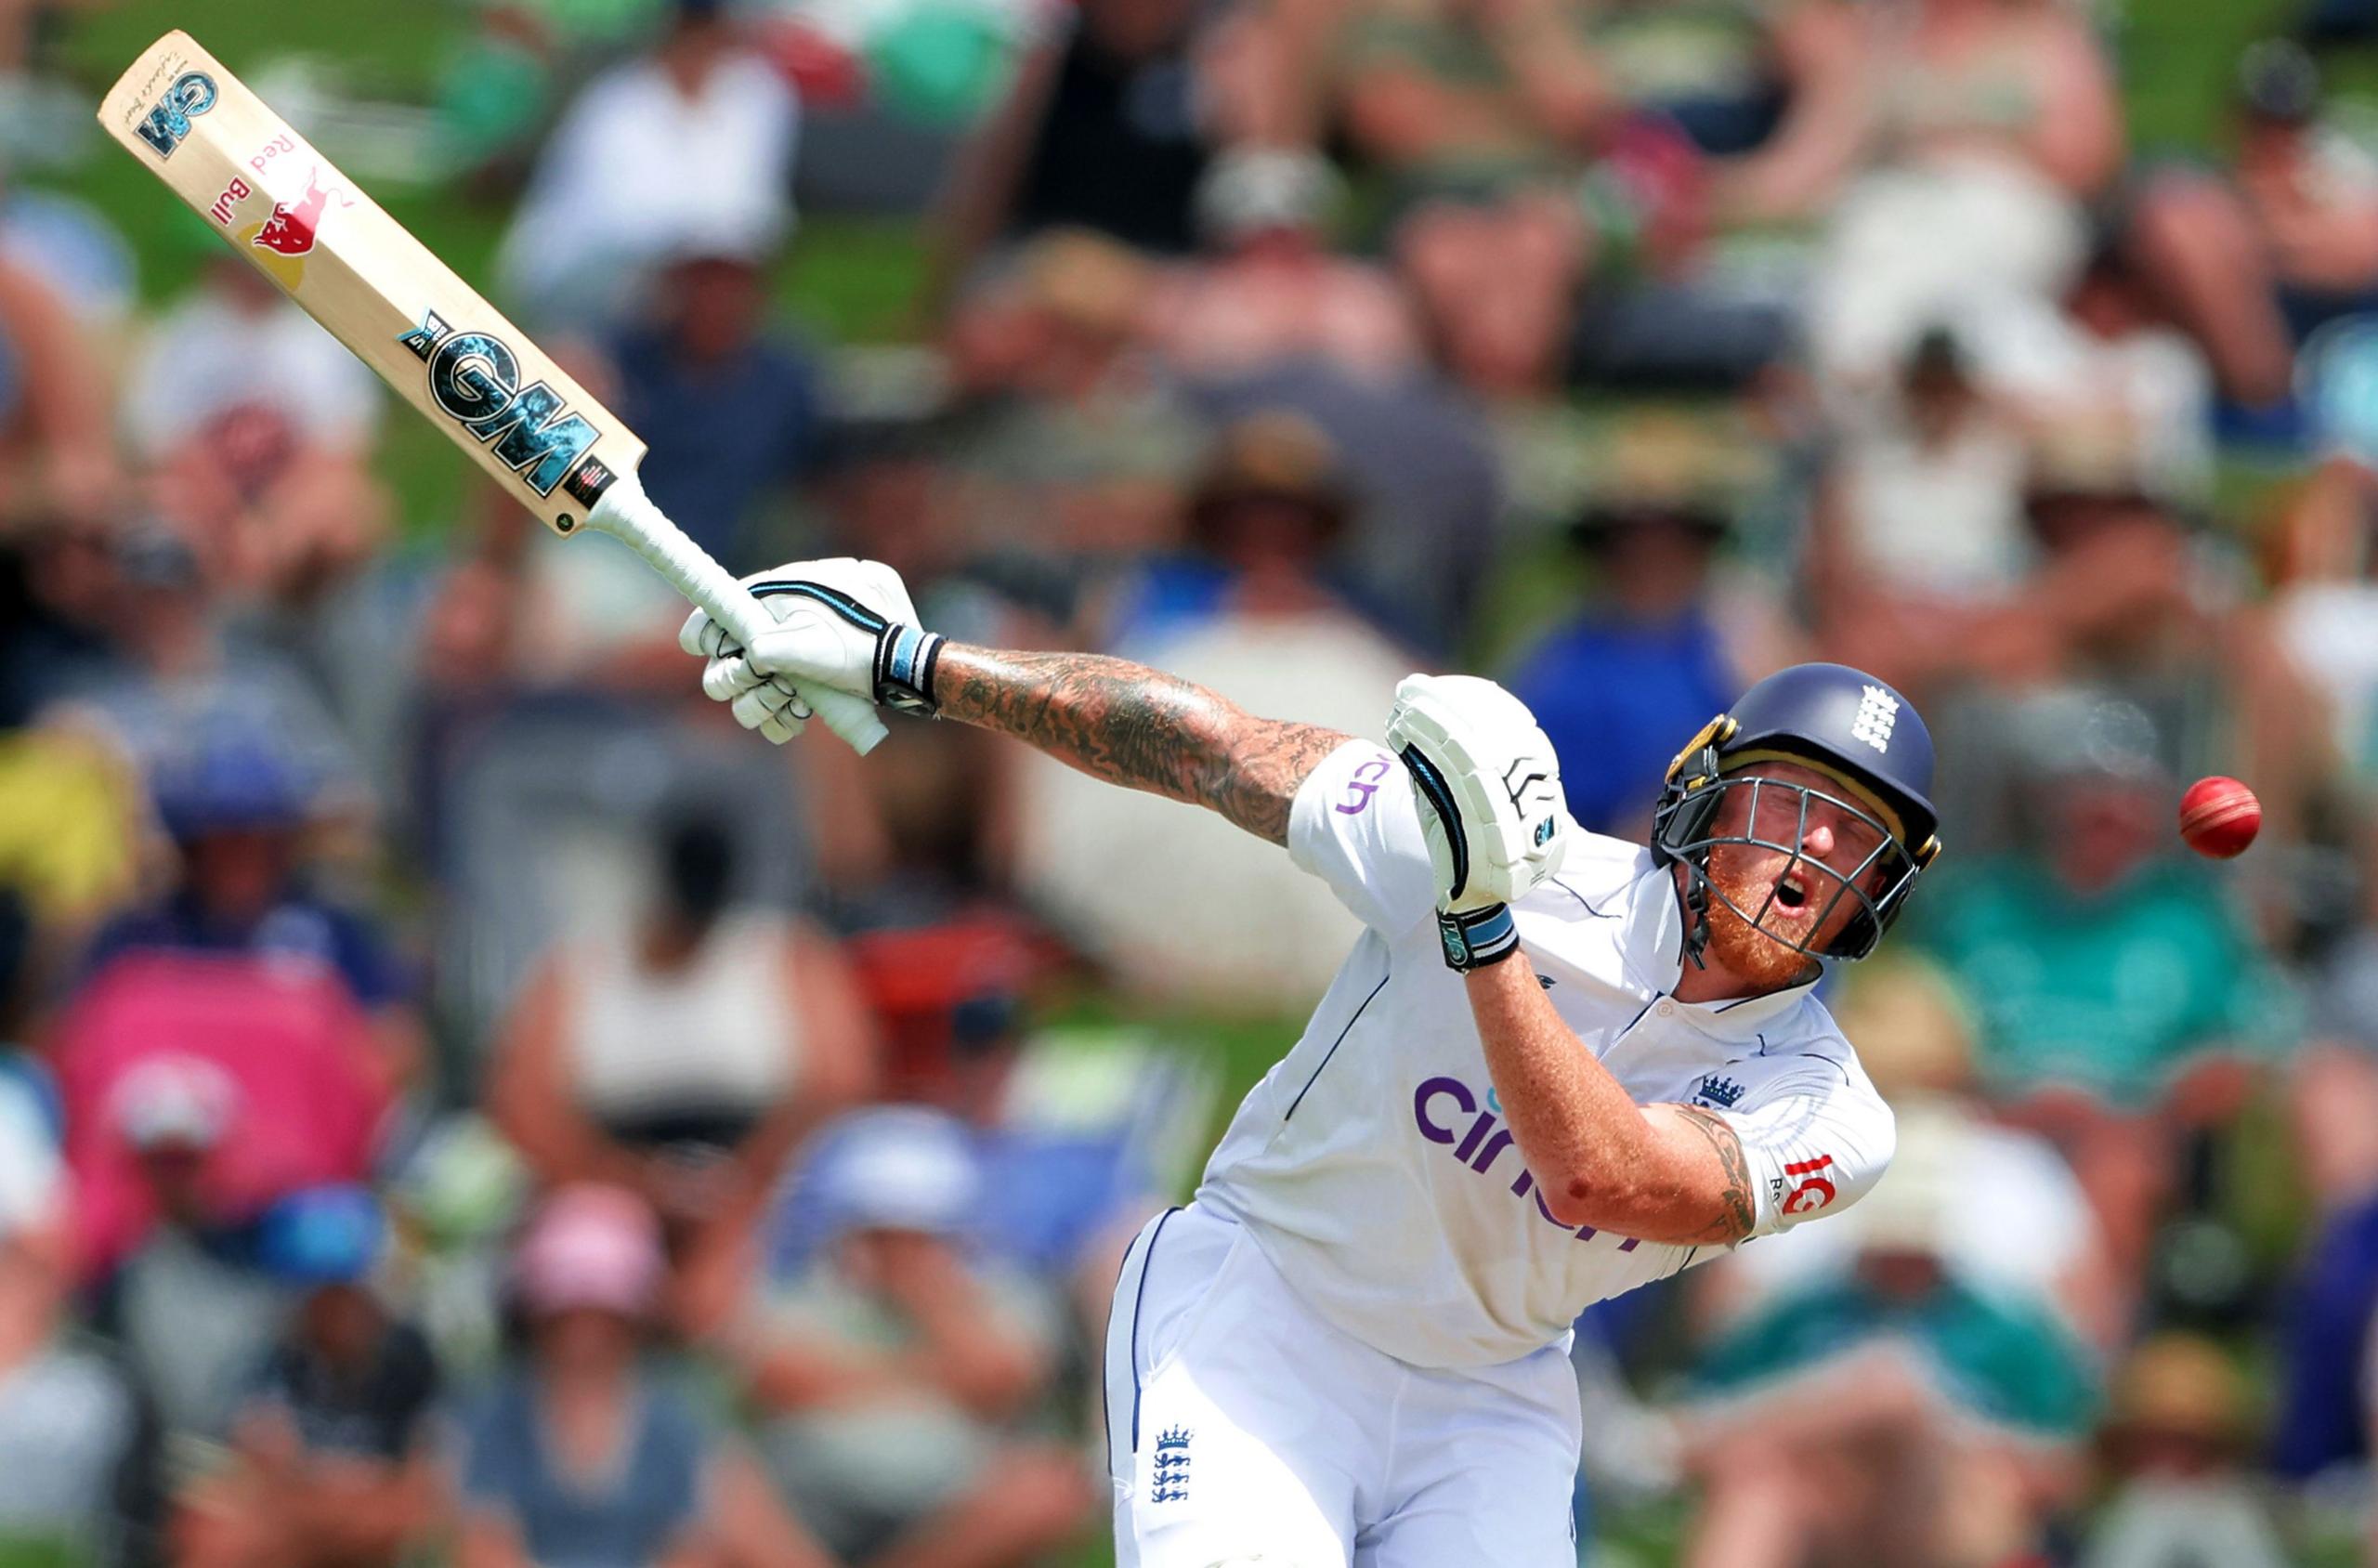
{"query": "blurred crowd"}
(463, 1100)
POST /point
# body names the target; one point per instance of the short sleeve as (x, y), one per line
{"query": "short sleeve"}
(1817, 1141)
(1355, 825)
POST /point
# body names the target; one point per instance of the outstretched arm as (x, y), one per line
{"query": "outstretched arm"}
(850, 625)
(1665, 1173)
(1140, 728)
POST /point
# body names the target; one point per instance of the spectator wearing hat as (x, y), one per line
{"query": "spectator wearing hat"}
(192, 1304)
(332, 1462)
(1268, 289)
(239, 803)
(900, 1375)
(2176, 1447)
(581, 1455)
(1892, 1412)
(2119, 996)
(1663, 641)
(1074, 436)
(1254, 610)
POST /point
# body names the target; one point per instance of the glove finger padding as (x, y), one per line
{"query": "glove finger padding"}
(726, 679)
(1488, 785)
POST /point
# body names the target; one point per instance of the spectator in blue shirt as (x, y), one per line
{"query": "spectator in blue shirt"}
(727, 406)
(1641, 666)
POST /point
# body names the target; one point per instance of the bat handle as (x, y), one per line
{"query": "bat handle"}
(628, 515)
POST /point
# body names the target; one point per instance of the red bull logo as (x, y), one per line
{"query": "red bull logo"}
(290, 231)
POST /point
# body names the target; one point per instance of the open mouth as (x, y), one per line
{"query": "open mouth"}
(1791, 893)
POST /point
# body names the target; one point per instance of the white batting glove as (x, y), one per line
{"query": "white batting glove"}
(1488, 787)
(843, 622)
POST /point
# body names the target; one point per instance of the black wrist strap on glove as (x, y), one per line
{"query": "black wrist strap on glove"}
(905, 656)
(906, 659)
(1478, 937)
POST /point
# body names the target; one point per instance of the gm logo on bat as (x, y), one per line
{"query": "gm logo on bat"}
(474, 380)
(193, 92)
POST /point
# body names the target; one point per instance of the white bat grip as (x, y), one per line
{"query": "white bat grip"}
(628, 515)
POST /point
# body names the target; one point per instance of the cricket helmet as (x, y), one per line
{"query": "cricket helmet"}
(1844, 723)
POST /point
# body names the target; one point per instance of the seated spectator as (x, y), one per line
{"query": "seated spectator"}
(1075, 440)
(2017, 1224)
(192, 1306)
(56, 453)
(189, 671)
(1721, 71)
(71, 835)
(694, 137)
(259, 427)
(78, 1460)
(239, 807)
(898, 1377)
(1252, 614)
(727, 405)
(1484, 120)
(2253, 264)
(1431, 487)
(1079, 1132)
(2175, 1449)
(1269, 289)
(331, 1464)
(582, 1455)
(2116, 362)
(2119, 997)
(1100, 131)
(70, 245)
(60, 583)
(198, 1088)
(1951, 146)
(1889, 1413)
(1664, 642)
(683, 1058)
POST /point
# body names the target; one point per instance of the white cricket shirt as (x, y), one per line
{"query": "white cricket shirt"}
(1372, 1166)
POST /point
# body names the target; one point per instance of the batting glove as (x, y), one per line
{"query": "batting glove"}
(844, 623)
(1491, 807)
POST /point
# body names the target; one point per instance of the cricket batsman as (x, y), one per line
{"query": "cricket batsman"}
(1554, 1068)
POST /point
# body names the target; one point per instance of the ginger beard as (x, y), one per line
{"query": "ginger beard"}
(1764, 904)
(1742, 883)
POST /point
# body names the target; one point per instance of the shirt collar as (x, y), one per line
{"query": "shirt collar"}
(1655, 960)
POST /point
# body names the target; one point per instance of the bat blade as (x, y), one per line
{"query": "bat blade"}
(423, 331)
(381, 293)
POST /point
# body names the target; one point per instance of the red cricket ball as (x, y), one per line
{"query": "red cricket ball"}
(2219, 817)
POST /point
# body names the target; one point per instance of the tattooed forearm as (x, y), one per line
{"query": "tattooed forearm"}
(1737, 1200)
(1131, 725)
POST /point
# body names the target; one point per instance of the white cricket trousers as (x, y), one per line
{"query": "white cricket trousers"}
(1241, 1427)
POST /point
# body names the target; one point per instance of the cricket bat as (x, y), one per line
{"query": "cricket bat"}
(423, 331)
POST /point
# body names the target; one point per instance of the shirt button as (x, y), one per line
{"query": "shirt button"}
(1666, 1009)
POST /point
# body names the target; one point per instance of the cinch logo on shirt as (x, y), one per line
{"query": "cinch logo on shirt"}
(1363, 786)
(1447, 1113)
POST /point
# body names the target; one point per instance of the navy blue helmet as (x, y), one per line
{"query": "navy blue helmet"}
(1840, 721)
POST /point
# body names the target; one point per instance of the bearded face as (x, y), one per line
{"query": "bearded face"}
(1770, 908)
